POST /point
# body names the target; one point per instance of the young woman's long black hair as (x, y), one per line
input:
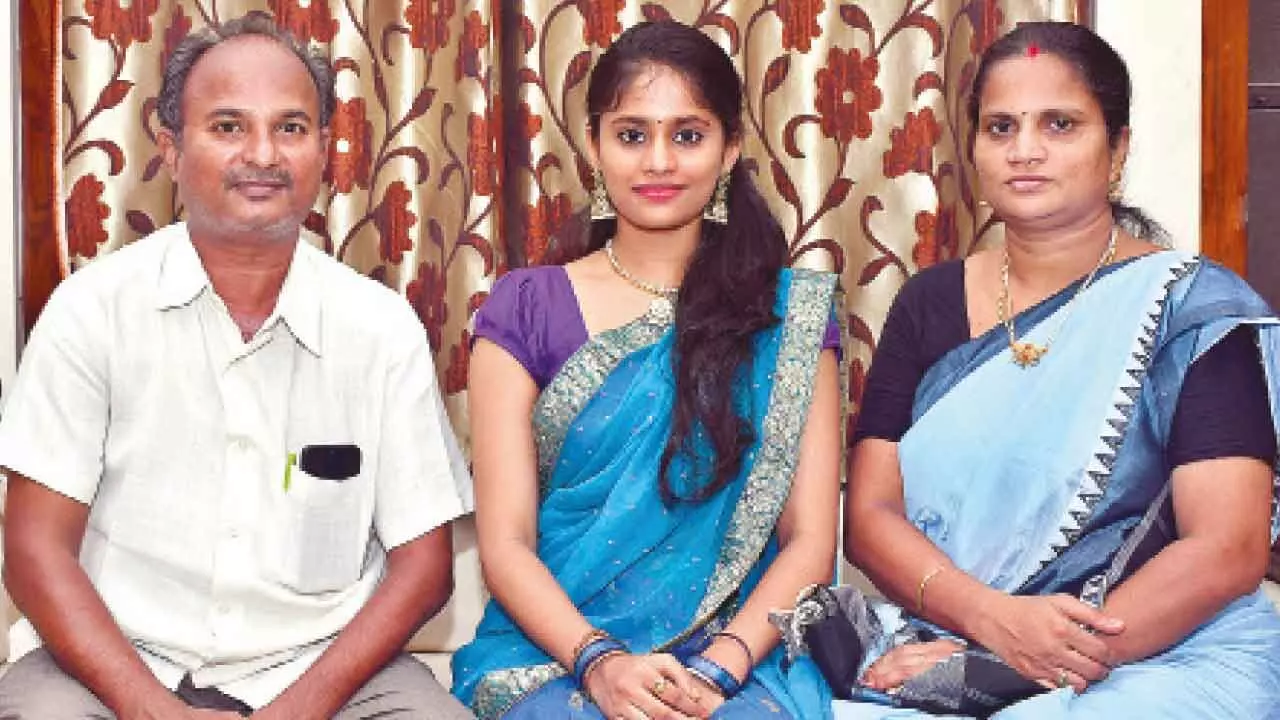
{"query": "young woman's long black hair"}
(728, 290)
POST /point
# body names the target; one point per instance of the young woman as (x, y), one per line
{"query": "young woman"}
(655, 425)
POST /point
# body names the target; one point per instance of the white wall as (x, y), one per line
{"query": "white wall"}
(8, 200)
(1160, 41)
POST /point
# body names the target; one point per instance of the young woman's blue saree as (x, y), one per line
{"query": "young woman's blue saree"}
(1033, 479)
(658, 578)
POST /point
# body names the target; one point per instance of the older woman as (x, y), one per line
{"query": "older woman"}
(1063, 475)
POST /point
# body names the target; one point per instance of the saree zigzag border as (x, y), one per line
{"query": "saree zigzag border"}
(1097, 473)
(808, 308)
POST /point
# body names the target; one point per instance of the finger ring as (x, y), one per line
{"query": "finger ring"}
(659, 686)
(1062, 679)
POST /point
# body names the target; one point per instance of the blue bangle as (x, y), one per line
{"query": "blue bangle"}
(594, 650)
(711, 671)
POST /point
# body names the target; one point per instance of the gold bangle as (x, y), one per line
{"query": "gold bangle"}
(592, 635)
(924, 581)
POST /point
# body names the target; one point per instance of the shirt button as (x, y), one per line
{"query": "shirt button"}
(235, 533)
(222, 609)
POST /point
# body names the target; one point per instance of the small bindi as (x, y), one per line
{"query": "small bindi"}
(1033, 50)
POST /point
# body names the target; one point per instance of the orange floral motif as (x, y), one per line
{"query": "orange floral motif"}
(393, 218)
(123, 25)
(480, 156)
(986, 18)
(939, 237)
(600, 21)
(455, 376)
(426, 294)
(429, 23)
(911, 146)
(475, 37)
(847, 95)
(530, 124)
(306, 20)
(179, 28)
(350, 141)
(85, 213)
(799, 22)
(544, 218)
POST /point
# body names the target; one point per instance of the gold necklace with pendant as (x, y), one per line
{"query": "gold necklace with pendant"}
(1027, 354)
(663, 308)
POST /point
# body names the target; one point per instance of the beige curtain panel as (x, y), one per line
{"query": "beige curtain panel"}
(457, 146)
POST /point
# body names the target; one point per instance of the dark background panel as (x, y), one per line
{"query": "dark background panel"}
(1264, 203)
(1264, 41)
(1264, 149)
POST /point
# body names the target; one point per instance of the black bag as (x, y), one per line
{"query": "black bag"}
(835, 626)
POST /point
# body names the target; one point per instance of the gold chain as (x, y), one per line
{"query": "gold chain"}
(662, 310)
(1026, 354)
(655, 289)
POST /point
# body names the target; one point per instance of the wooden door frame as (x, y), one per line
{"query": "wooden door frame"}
(1224, 158)
(1224, 131)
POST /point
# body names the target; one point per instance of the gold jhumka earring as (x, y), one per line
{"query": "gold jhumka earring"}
(717, 211)
(601, 207)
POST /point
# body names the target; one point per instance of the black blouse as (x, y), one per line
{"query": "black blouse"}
(1223, 409)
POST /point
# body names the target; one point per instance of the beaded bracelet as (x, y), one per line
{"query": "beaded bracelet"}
(592, 653)
(746, 649)
(710, 672)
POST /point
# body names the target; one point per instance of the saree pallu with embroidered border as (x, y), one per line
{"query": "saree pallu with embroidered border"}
(657, 578)
(1053, 479)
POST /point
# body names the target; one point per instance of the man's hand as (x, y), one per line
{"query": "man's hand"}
(170, 707)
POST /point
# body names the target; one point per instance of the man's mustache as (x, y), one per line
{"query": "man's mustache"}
(269, 176)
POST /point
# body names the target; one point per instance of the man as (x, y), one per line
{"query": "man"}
(230, 471)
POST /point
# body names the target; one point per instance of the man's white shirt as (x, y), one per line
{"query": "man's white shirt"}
(137, 396)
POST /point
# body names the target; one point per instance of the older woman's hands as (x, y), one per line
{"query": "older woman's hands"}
(635, 687)
(1049, 638)
(906, 661)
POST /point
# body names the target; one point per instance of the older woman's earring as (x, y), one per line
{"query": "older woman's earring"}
(1115, 193)
(717, 211)
(601, 207)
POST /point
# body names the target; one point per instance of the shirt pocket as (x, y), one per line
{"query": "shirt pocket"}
(323, 530)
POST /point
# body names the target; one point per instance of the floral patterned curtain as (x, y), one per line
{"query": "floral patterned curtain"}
(457, 146)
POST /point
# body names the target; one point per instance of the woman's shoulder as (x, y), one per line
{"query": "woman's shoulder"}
(530, 280)
(941, 282)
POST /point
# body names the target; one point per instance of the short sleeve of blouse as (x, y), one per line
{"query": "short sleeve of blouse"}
(532, 313)
(927, 319)
(505, 318)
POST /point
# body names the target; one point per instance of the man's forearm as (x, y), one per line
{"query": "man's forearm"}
(42, 535)
(54, 593)
(418, 582)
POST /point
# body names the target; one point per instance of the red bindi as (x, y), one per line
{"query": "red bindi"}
(1033, 50)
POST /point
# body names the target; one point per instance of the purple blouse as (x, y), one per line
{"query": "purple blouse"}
(533, 314)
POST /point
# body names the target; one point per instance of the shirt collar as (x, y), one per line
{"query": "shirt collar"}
(183, 278)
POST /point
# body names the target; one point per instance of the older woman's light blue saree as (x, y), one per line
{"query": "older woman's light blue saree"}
(658, 578)
(1053, 478)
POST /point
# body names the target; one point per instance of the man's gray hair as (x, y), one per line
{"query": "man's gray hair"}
(178, 67)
